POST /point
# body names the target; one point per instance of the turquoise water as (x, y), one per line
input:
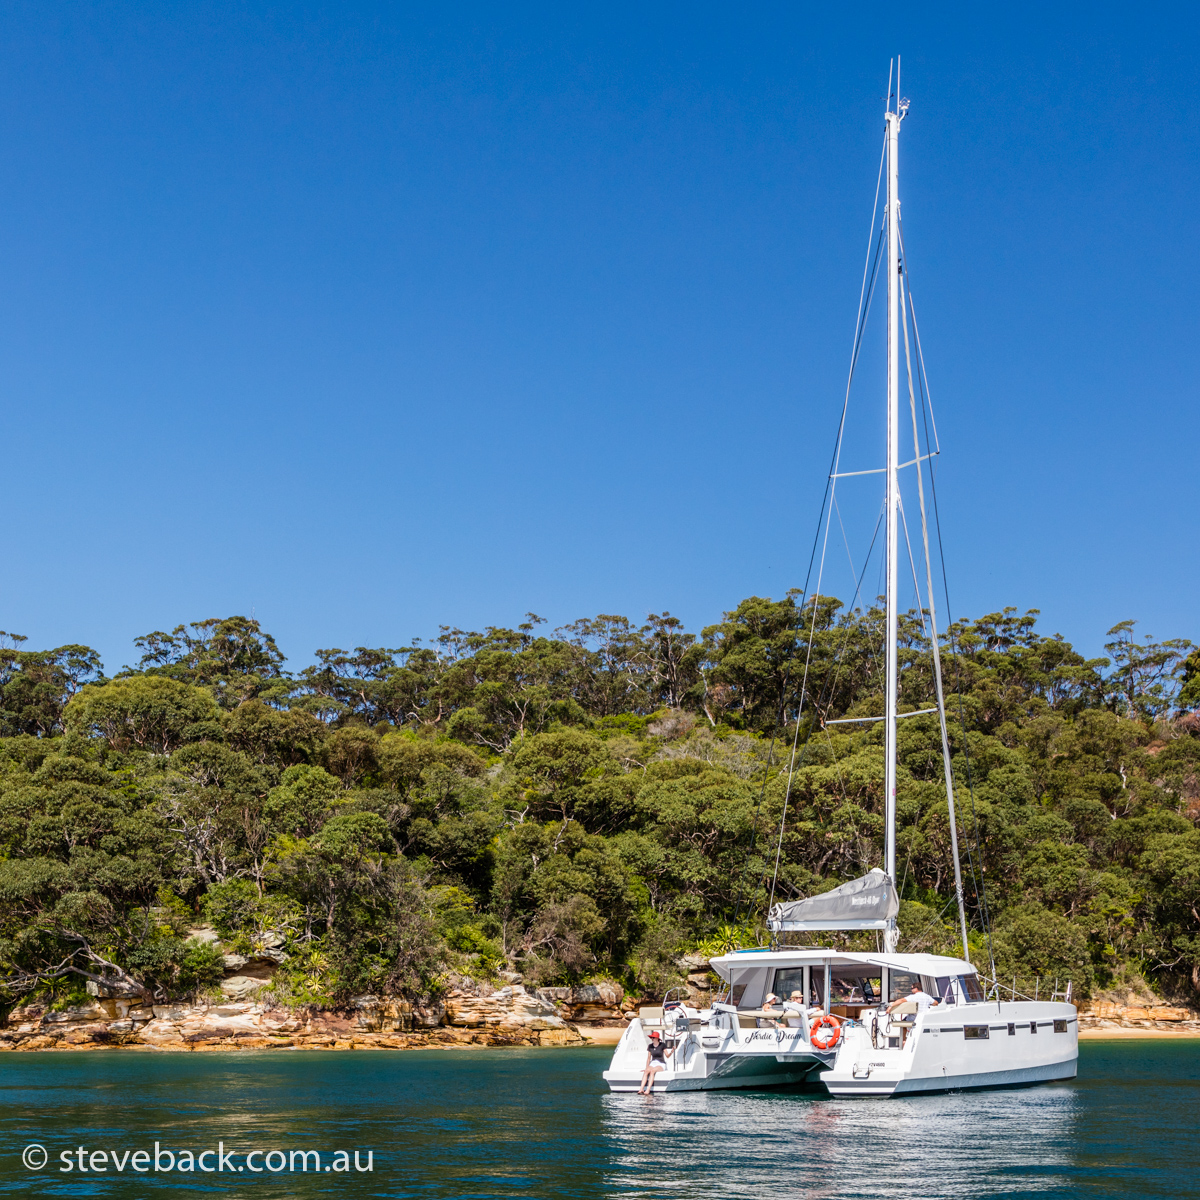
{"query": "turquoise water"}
(539, 1123)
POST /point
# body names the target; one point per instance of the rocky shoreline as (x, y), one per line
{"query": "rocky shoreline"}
(469, 1014)
(1128, 1019)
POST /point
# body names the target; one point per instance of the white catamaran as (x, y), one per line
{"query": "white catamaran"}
(842, 1034)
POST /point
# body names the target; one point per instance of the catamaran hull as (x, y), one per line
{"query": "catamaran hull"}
(773, 1058)
(745, 1073)
(1011, 1044)
(968, 1047)
(978, 1081)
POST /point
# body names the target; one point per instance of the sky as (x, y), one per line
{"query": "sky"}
(368, 319)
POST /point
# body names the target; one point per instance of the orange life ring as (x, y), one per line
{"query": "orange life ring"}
(825, 1043)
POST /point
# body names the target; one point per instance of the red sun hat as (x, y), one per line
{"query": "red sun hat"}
(656, 1034)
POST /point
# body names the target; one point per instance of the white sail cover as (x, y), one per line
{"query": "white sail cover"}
(865, 903)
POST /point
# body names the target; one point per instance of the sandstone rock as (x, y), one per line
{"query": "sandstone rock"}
(606, 994)
(1163, 1013)
(203, 933)
(483, 1016)
(113, 989)
(86, 1033)
(510, 1009)
(83, 1015)
(430, 1015)
(238, 987)
(559, 1037)
(42, 1042)
(593, 1012)
(235, 962)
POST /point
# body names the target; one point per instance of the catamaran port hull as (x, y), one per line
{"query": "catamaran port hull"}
(743, 1075)
(736, 1058)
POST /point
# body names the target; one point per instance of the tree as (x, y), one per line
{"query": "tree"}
(1189, 692)
(37, 685)
(232, 656)
(1145, 678)
(147, 712)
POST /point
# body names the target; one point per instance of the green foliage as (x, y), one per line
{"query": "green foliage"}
(596, 801)
(1189, 692)
(233, 658)
(231, 907)
(726, 938)
(143, 712)
(36, 685)
(177, 967)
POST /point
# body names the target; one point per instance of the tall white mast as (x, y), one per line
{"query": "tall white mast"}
(891, 934)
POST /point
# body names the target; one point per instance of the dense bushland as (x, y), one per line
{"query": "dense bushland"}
(590, 801)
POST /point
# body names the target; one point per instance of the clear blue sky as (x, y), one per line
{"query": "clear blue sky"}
(370, 318)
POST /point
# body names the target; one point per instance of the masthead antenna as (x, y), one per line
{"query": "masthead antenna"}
(888, 100)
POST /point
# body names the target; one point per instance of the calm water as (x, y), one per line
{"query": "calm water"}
(539, 1123)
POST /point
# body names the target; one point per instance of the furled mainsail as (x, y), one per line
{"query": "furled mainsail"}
(865, 903)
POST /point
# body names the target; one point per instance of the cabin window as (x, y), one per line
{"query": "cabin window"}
(1060, 1027)
(788, 981)
(943, 989)
(1012, 1029)
(975, 1033)
(902, 984)
(971, 987)
(736, 994)
(854, 985)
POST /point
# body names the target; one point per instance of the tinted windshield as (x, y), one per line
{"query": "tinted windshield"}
(972, 988)
(902, 982)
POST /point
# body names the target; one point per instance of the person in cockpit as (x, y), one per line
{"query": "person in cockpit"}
(922, 999)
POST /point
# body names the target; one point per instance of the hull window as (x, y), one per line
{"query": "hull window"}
(1012, 1029)
(975, 1033)
(1033, 1027)
(1060, 1027)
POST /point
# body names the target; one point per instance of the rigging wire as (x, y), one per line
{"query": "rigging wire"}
(927, 417)
(912, 564)
(831, 685)
(866, 292)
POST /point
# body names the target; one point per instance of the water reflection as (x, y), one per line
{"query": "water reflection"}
(540, 1124)
(793, 1144)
